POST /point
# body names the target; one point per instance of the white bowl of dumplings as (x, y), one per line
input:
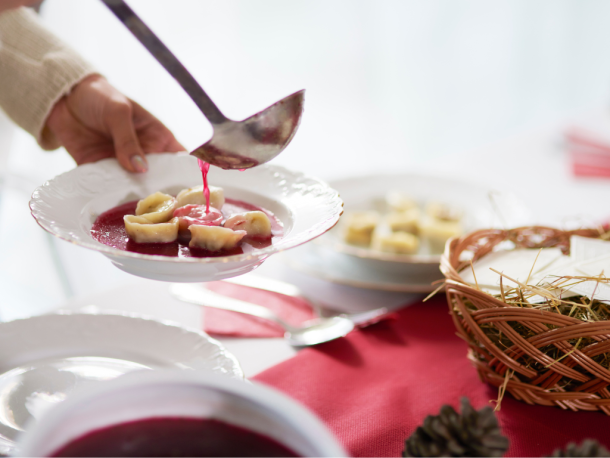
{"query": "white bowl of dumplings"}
(68, 205)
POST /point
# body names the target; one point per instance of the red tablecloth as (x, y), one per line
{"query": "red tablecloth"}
(374, 387)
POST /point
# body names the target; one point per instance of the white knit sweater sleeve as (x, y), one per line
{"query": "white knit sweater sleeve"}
(36, 70)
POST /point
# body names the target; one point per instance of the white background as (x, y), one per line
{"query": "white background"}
(392, 86)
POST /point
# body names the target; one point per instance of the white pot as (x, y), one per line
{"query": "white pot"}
(180, 393)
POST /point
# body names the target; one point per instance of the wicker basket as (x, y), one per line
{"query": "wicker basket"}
(577, 381)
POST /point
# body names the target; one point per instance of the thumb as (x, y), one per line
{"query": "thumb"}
(126, 143)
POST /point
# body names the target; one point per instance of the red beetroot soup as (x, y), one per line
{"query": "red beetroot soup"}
(174, 437)
(109, 229)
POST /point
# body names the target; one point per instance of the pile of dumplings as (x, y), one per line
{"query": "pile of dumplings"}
(162, 218)
(403, 226)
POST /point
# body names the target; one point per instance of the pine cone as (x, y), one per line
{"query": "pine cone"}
(589, 447)
(473, 433)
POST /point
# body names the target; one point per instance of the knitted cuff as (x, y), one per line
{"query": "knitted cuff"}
(36, 70)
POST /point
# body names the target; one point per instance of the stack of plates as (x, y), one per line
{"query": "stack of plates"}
(331, 258)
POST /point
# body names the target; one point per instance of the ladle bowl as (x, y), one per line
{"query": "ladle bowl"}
(255, 140)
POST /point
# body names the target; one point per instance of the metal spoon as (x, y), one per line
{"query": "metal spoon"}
(234, 144)
(311, 333)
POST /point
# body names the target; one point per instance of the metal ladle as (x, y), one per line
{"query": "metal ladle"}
(234, 144)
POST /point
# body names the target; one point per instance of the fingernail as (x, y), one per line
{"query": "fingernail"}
(139, 163)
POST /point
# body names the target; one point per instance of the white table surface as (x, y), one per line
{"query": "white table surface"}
(532, 167)
(152, 298)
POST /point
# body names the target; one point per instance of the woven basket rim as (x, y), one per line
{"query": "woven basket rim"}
(450, 258)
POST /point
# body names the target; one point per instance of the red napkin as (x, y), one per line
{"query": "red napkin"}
(375, 386)
(221, 322)
(590, 155)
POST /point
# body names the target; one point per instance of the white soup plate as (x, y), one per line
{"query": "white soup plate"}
(68, 205)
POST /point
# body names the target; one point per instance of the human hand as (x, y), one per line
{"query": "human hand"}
(96, 121)
(10, 4)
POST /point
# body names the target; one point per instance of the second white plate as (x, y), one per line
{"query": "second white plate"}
(324, 263)
(331, 258)
(44, 358)
(368, 193)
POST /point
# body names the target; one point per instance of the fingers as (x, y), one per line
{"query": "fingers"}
(173, 146)
(63, 129)
(125, 139)
(164, 144)
(10, 4)
(96, 121)
(104, 110)
(154, 136)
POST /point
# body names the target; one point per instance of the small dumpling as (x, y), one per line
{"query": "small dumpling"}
(214, 238)
(399, 202)
(196, 214)
(405, 221)
(195, 196)
(141, 230)
(156, 208)
(359, 227)
(443, 212)
(437, 232)
(255, 223)
(395, 242)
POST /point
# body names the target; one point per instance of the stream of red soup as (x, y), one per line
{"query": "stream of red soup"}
(205, 168)
(174, 437)
(109, 229)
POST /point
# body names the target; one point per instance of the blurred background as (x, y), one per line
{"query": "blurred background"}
(392, 86)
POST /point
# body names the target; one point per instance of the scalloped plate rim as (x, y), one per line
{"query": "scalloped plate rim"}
(317, 230)
(236, 369)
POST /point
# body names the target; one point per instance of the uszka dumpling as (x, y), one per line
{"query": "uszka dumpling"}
(142, 230)
(359, 227)
(195, 196)
(256, 224)
(395, 242)
(196, 214)
(214, 238)
(156, 208)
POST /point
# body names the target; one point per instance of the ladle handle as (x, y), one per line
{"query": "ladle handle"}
(166, 58)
